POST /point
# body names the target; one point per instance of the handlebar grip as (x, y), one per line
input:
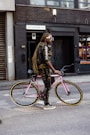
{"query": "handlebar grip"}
(62, 73)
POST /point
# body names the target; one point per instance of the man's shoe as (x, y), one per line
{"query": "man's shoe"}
(49, 107)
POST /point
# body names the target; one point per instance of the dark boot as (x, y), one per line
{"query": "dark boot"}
(46, 98)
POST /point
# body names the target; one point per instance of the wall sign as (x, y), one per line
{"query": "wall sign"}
(34, 36)
(35, 27)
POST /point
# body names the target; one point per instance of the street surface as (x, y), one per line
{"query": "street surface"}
(64, 120)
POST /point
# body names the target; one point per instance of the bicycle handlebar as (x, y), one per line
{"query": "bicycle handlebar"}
(64, 68)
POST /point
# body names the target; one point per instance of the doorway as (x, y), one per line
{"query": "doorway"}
(31, 45)
(63, 52)
(62, 47)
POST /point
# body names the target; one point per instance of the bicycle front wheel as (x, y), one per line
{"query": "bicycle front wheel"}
(69, 93)
(24, 95)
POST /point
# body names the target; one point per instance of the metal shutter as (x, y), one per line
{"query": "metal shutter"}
(2, 47)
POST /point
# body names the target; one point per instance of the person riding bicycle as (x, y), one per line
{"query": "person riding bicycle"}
(44, 66)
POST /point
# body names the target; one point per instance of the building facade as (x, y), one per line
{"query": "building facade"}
(69, 22)
(7, 7)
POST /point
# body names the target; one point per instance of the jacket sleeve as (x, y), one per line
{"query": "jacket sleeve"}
(46, 53)
(46, 58)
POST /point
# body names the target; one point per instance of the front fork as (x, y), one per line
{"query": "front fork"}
(67, 91)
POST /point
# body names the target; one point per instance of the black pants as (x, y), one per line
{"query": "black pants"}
(46, 77)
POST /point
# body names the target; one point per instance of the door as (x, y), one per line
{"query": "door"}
(31, 45)
(30, 50)
(63, 52)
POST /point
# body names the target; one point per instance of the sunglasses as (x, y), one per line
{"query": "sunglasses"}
(50, 37)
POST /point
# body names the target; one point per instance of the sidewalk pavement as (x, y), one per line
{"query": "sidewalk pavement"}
(78, 78)
(75, 78)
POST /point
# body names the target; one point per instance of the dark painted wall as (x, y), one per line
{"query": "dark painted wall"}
(20, 53)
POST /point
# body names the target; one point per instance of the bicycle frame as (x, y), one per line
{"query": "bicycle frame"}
(58, 79)
(32, 89)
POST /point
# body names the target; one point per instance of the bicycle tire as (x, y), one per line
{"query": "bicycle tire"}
(18, 96)
(74, 95)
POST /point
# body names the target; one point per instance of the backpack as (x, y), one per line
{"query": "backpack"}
(37, 58)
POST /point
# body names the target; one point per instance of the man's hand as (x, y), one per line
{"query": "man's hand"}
(57, 72)
(52, 68)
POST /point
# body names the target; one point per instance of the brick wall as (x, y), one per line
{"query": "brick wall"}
(40, 14)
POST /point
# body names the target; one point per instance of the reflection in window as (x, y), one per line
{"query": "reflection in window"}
(52, 2)
(37, 2)
(84, 47)
(87, 1)
(84, 3)
(57, 3)
(67, 3)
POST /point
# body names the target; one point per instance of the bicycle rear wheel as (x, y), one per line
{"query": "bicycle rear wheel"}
(73, 95)
(19, 95)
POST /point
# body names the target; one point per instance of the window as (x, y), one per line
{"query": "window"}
(67, 3)
(37, 2)
(84, 4)
(56, 3)
(53, 2)
(84, 48)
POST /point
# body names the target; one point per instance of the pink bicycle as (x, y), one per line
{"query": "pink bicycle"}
(26, 93)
